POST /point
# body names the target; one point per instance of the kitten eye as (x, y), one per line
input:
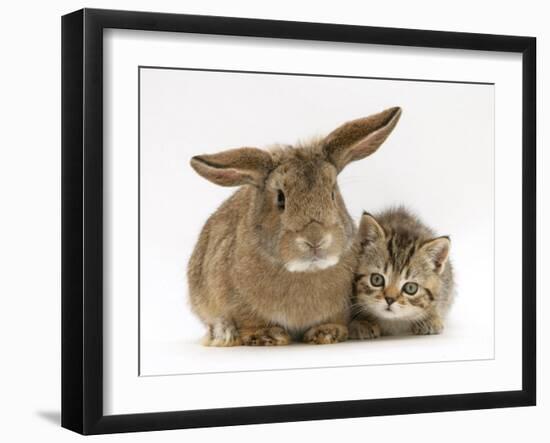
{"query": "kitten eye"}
(377, 280)
(280, 199)
(410, 288)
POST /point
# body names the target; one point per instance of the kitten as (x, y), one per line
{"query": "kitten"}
(404, 281)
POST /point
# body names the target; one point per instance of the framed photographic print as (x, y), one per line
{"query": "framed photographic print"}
(269, 221)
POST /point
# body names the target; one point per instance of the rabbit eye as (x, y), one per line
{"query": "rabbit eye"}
(377, 280)
(280, 199)
(410, 288)
(333, 196)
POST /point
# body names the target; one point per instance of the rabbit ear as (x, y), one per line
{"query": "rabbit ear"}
(359, 138)
(370, 230)
(234, 167)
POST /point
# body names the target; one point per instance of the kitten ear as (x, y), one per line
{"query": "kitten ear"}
(370, 230)
(437, 252)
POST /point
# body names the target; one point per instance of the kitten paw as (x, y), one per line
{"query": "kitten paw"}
(326, 334)
(428, 327)
(272, 336)
(363, 330)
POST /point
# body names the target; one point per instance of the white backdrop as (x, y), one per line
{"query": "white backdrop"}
(439, 162)
(30, 227)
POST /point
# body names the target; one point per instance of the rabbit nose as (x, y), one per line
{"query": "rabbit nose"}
(389, 300)
(314, 246)
(323, 243)
(317, 244)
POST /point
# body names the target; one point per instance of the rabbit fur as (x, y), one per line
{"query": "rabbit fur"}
(275, 261)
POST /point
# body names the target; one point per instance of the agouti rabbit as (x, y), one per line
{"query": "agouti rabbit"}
(276, 259)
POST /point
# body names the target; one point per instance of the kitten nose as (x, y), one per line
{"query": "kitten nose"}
(389, 300)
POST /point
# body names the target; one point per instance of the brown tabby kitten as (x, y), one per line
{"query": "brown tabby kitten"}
(404, 281)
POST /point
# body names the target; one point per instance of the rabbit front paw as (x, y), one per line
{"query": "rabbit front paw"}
(363, 330)
(222, 333)
(270, 336)
(326, 334)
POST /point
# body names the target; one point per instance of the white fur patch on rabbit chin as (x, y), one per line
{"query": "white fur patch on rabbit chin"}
(311, 265)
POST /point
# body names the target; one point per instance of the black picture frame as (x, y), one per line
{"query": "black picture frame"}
(82, 220)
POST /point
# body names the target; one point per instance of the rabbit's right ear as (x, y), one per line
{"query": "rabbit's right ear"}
(360, 138)
(234, 167)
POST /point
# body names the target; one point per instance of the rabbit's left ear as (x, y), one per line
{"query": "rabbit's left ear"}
(360, 138)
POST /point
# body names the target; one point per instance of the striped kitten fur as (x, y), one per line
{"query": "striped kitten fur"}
(404, 280)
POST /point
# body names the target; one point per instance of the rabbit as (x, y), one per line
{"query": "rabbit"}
(276, 260)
